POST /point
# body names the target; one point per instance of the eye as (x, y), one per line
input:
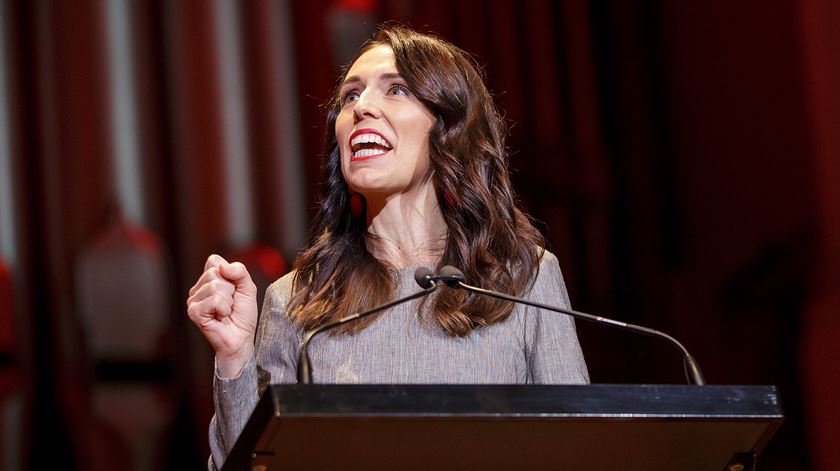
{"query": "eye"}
(398, 89)
(348, 96)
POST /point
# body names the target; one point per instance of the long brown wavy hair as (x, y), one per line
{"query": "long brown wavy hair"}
(489, 237)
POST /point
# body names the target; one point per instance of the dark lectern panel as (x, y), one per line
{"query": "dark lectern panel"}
(520, 444)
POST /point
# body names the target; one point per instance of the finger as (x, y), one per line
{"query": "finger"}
(213, 307)
(222, 288)
(238, 274)
(209, 275)
(214, 260)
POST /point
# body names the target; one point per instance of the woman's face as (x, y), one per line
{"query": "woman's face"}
(382, 128)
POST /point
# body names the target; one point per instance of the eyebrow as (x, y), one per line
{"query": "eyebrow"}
(385, 76)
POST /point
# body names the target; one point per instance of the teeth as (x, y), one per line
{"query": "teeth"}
(367, 152)
(370, 138)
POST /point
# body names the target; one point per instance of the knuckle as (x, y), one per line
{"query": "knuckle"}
(219, 286)
(209, 274)
(212, 261)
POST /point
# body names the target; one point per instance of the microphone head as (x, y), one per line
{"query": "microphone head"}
(424, 277)
(451, 276)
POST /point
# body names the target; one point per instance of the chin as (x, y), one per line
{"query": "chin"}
(363, 180)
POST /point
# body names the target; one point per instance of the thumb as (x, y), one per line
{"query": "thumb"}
(239, 276)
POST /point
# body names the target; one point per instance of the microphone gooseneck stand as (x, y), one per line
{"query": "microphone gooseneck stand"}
(454, 278)
(423, 276)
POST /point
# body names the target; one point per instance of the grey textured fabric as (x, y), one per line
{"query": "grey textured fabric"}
(530, 346)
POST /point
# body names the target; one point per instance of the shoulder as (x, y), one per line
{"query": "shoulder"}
(273, 319)
(548, 269)
(278, 293)
(548, 259)
(548, 282)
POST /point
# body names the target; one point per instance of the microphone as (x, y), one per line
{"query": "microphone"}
(454, 278)
(423, 276)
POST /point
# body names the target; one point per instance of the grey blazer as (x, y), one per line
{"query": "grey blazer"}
(402, 346)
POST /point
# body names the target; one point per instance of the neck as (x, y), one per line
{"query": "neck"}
(409, 227)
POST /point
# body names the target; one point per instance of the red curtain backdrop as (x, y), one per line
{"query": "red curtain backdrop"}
(681, 160)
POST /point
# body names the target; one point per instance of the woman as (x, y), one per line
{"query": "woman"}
(416, 175)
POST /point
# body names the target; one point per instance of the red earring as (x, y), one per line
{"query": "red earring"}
(357, 204)
(450, 198)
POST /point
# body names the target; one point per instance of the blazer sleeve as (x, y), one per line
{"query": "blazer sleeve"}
(274, 361)
(552, 349)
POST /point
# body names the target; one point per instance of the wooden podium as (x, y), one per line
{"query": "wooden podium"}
(507, 427)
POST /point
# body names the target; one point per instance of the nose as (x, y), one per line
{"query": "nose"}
(366, 106)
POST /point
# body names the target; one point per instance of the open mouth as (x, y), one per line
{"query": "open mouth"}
(368, 144)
